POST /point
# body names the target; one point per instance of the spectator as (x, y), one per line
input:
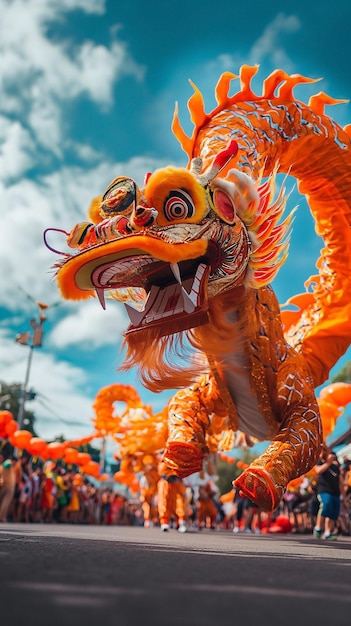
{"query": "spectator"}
(36, 478)
(190, 506)
(238, 511)
(343, 523)
(116, 508)
(251, 517)
(61, 495)
(106, 501)
(74, 505)
(24, 500)
(330, 489)
(47, 496)
(7, 486)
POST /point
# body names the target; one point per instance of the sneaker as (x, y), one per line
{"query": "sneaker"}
(164, 527)
(182, 527)
(330, 537)
(236, 529)
(317, 533)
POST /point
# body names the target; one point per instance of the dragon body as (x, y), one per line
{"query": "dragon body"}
(195, 251)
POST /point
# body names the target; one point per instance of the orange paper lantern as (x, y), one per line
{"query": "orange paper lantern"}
(21, 438)
(83, 458)
(70, 456)
(91, 468)
(5, 417)
(56, 450)
(10, 428)
(36, 446)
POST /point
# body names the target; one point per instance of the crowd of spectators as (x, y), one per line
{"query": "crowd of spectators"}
(56, 494)
(51, 493)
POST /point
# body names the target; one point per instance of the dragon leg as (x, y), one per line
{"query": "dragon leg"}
(292, 452)
(186, 446)
(188, 422)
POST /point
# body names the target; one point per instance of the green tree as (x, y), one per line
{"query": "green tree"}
(343, 375)
(10, 396)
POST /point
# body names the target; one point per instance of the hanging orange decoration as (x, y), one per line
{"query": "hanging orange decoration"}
(10, 428)
(70, 456)
(21, 438)
(82, 458)
(5, 417)
(36, 446)
(91, 468)
(332, 403)
(337, 393)
(82, 441)
(56, 450)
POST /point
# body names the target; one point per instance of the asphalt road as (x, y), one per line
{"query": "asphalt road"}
(129, 576)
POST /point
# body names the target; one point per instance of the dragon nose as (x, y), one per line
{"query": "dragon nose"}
(142, 217)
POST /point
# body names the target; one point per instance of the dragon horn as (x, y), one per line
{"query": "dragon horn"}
(219, 162)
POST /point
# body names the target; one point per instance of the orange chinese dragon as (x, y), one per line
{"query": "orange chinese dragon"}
(196, 248)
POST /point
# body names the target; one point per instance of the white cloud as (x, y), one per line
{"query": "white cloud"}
(268, 48)
(40, 73)
(89, 6)
(61, 389)
(89, 326)
(16, 149)
(59, 200)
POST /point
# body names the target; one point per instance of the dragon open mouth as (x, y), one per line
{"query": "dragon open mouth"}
(172, 280)
(174, 290)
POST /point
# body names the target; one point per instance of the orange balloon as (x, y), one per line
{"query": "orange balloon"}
(83, 458)
(21, 438)
(70, 456)
(10, 428)
(36, 446)
(91, 468)
(56, 450)
(5, 417)
(337, 393)
(328, 410)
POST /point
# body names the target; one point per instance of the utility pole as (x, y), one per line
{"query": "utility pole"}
(103, 455)
(33, 340)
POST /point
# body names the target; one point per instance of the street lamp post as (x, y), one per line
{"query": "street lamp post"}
(33, 340)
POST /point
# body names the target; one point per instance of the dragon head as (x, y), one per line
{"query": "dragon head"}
(170, 246)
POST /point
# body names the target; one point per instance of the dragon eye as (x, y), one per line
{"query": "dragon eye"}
(178, 205)
(119, 197)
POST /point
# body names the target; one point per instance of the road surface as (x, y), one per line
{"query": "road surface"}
(124, 576)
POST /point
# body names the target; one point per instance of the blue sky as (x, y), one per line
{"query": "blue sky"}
(87, 93)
